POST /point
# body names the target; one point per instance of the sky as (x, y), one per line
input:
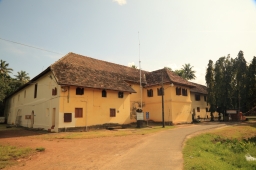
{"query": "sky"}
(160, 33)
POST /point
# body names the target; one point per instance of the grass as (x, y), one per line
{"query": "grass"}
(221, 149)
(9, 155)
(40, 149)
(103, 133)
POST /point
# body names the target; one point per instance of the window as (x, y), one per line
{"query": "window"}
(198, 109)
(206, 109)
(150, 93)
(54, 91)
(35, 91)
(79, 91)
(78, 112)
(178, 91)
(67, 117)
(197, 97)
(112, 112)
(104, 93)
(120, 94)
(160, 91)
(184, 92)
(205, 98)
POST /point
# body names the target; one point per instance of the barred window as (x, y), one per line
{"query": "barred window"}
(120, 94)
(150, 93)
(184, 92)
(79, 91)
(178, 91)
(104, 93)
(160, 91)
(197, 97)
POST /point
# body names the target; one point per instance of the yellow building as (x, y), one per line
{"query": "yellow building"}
(82, 92)
(200, 107)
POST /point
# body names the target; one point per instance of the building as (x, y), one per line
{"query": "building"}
(81, 92)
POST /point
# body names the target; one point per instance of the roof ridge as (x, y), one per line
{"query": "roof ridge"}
(105, 61)
(62, 58)
(167, 70)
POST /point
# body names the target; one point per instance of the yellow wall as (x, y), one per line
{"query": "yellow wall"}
(202, 104)
(135, 101)
(96, 109)
(23, 103)
(177, 109)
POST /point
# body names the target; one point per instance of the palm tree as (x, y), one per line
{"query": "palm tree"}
(188, 73)
(22, 76)
(4, 70)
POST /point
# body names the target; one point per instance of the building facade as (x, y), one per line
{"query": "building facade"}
(81, 92)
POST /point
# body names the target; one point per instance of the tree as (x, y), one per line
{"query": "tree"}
(4, 76)
(179, 73)
(188, 73)
(133, 66)
(4, 70)
(209, 78)
(251, 84)
(22, 77)
(240, 73)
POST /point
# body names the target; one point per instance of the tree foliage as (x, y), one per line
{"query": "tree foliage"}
(22, 76)
(231, 83)
(9, 84)
(185, 72)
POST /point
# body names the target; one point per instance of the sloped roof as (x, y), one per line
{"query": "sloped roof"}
(155, 78)
(199, 89)
(78, 70)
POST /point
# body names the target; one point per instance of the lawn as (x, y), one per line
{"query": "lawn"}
(222, 149)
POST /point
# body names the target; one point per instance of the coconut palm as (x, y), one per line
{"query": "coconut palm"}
(22, 76)
(188, 73)
(4, 70)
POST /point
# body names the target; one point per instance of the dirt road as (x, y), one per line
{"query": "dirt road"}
(158, 151)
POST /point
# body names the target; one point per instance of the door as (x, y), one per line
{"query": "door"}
(53, 116)
(32, 118)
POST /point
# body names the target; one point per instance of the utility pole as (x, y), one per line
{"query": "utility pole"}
(162, 90)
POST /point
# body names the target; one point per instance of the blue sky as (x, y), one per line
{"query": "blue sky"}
(171, 32)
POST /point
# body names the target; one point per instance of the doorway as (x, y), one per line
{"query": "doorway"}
(53, 117)
(32, 118)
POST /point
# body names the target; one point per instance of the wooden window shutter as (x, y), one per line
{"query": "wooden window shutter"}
(67, 117)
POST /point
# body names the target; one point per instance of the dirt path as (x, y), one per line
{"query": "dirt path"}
(72, 153)
(158, 151)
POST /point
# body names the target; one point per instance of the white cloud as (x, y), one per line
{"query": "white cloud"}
(131, 64)
(174, 66)
(200, 75)
(120, 2)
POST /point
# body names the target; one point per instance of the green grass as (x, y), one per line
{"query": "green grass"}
(217, 150)
(9, 154)
(103, 133)
(40, 149)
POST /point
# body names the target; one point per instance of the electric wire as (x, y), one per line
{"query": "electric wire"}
(29, 46)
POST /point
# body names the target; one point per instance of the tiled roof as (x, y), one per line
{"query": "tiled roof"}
(155, 78)
(199, 89)
(78, 70)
